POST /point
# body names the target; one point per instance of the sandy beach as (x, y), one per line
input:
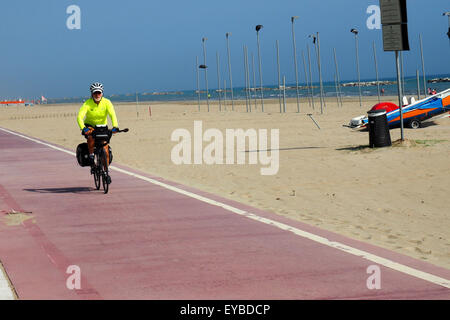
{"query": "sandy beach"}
(395, 197)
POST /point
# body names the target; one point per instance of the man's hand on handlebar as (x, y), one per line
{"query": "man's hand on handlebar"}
(87, 131)
(115, 130)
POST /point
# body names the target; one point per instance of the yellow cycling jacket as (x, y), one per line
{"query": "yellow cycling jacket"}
(93, 114)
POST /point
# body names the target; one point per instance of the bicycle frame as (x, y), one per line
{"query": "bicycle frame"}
(101, 158)
(102, 136)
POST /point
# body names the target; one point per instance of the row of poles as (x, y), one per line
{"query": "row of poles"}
(310, 88)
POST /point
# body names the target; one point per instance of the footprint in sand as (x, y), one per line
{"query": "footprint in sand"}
(422, 251)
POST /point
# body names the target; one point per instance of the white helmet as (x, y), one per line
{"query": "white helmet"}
(96, 86)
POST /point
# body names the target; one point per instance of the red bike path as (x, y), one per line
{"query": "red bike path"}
(145, 241)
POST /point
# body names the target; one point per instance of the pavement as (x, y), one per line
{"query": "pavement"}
(150, 238)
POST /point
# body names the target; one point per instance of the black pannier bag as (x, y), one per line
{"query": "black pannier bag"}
(83, 154)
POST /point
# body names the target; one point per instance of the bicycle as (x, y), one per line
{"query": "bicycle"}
(102, 136)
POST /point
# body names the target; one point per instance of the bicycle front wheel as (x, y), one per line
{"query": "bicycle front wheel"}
(105, 182)
(105, 175)
(97, 174)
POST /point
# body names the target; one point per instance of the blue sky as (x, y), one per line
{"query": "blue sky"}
(144, 46)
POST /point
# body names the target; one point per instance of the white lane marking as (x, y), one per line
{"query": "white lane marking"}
(337, 245)
(6, 293)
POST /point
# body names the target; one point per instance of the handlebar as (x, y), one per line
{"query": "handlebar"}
(110, 133)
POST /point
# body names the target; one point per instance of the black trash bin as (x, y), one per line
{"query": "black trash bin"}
(379, 135)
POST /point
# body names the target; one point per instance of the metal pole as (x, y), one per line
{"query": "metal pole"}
(337, 91)
(279, 76)
(310, 76)
(260, 72)
(321, 81)
(206, 71)
(357, 68)
(423, 68)
(310, 115)
(245, 76)
(376, 71)
(137, 105)
(337, 76)
(400, 93)
(225, 94)
(218, 80)
(402, 72)
(284, 94)
(306, 78)
(229, 70)
(198, 82)
(320, 74)
(247, 71)
(418, 84)
(295, 62)
(254, 79)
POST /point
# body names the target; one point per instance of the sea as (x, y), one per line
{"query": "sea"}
(330, 89)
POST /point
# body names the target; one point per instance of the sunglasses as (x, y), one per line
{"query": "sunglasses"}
(97, 92)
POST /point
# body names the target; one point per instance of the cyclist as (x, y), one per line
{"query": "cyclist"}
(94, 112)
